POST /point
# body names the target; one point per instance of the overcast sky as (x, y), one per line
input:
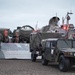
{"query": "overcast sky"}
(15, 13)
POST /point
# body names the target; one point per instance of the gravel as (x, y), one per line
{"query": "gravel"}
(27, 67)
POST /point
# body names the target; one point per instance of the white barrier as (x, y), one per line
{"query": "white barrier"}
(15, 51)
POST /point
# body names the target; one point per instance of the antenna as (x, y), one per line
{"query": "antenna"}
(56, 19)
(62, 20)
(36, 25)
(56, 16)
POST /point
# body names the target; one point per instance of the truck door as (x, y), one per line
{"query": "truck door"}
(47, 50)
(52, 51)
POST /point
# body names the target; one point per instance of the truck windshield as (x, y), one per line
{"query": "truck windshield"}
(65, 43)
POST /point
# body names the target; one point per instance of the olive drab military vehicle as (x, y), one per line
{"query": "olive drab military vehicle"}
(60, 54)
(61, 51)
(22, 34)
(37, 36)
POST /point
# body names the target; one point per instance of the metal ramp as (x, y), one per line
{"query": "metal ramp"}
(15, 51)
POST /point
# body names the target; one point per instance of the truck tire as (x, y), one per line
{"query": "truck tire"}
(64, 63)
(33, 57)
(44, 61)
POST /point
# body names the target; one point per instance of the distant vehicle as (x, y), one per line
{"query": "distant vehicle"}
(22, 34)
(61, 51)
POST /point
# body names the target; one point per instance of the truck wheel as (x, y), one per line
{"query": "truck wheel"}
(64, 63)
(33, 57)
(44, 61)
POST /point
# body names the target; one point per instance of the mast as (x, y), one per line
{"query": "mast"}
(68, 17)
(62, 20)
(36, 25)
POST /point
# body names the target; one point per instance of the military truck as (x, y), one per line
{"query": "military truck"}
(22, 33)
(35, 42)
(65, 31)
(61, 51)
(48, 31)
(4, 34)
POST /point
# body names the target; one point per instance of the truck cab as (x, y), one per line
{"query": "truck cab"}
(61, 51)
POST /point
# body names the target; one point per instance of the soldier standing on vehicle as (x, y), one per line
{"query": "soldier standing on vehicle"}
(5, 33)
(6, 39)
